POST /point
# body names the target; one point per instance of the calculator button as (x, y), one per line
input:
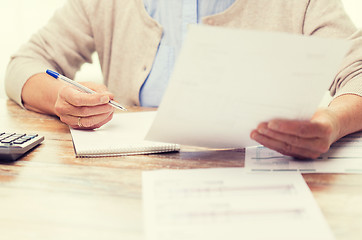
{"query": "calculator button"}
(20, 141)
(6, 135)
(5, 145)
(18, 135)
(32, 135)
(29, 137)
(25, 138)
(8, 140)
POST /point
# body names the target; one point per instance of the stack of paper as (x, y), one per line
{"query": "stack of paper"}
(225, 83)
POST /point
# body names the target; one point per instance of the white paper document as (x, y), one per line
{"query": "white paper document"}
(230, 204)
(344, 156)
(226, 81)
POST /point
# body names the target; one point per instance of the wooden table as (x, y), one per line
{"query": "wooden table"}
(51, 194)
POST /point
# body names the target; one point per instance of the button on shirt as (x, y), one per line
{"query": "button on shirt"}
(174, 16)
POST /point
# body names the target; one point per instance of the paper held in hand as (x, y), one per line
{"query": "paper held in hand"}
(227, 81)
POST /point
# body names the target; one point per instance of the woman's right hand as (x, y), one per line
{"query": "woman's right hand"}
(83, 110)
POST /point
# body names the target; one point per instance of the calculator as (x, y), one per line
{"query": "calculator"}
(14, 145)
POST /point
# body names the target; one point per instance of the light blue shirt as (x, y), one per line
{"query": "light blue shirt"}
(174, 16)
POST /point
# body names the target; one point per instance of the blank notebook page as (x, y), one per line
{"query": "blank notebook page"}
(123, 135)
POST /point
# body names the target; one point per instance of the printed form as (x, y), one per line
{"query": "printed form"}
(344, 156)
(228, 203)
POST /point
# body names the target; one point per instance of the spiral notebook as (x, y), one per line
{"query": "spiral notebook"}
(123, 135)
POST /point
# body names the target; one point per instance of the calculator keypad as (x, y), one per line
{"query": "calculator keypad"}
(14, 145)
(14, 138)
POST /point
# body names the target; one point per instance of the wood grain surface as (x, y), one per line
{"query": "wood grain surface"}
(51, 194)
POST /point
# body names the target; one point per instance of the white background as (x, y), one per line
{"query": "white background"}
(21, 18)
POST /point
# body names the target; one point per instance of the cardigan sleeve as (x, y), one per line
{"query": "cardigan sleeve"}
(327, 18)
(63, 44)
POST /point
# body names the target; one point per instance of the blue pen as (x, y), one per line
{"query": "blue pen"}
(81, 87)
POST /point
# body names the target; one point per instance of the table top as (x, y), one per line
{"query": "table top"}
(51, 194)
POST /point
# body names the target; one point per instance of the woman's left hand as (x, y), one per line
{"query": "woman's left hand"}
(297, 138)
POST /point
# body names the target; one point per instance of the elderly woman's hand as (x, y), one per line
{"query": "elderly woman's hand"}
(300, 139)
(82, 110)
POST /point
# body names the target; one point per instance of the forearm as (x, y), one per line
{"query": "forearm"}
(348, 111)
(63, 45)
(40, 93)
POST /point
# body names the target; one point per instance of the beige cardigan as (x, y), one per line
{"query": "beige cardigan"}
(126, 40)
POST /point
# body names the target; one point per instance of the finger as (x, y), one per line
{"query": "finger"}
(284, 148)
(77, 98)
(315, 144)
(86, 111)
(109, 118)
(95, 86)
(88, 122)
(100, 88)
(300, 128)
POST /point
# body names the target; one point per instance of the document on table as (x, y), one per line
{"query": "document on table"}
(230, 204)
(344, 156)
(226, 81)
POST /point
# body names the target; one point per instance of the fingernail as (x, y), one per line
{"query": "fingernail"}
(273, 125)
(262, 130)
(252, 135)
